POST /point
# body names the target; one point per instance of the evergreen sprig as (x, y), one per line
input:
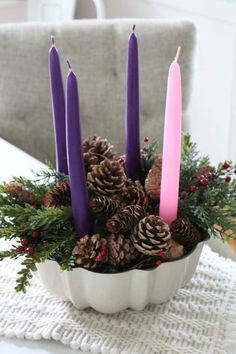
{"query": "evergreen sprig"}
(207, 200)
(149, 152)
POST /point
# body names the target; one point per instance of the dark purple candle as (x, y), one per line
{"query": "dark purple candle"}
(132, 134)
(58, 108)
(79, 193)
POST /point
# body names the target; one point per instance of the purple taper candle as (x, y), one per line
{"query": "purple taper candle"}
(132, 133)
(58, 108)
(78, 188)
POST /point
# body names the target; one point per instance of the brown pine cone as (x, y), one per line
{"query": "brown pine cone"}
(185, 233)
(204, 170)
(121, 252)
(151, 236)
(23, 195)
(58, 196)
(153, 179)
(89, 161)
(103, 207)
(133, 194)
(98, 146)
(125, 219)
(106, 178)
(89, 251)
(175, 251)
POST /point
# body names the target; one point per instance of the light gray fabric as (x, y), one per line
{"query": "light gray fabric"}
(97, 51)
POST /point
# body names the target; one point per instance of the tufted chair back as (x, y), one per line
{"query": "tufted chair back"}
(98, 53)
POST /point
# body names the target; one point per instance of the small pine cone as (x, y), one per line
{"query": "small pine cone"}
(88, 251)
(205, 170)
(185, 233)
(134, 195)
(18, 191)
(89, 161)
(153, 179)
(103, 207)
(175, 251)
(58, 196)
(98, 146)
(151, 236)
(125, 219)
(106, 178)
(121, 252)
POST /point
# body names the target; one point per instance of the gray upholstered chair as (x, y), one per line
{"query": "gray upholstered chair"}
(97, 51)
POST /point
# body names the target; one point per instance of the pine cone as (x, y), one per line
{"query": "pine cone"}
(23, 195)
(125, 219)
(106, 178)
(103, 207)
(185, 233)
(151, 236)
(58, 196)
(121, 252)
(90, 160)
(205, 170)
(175, 251)
(133, 194)
(89, 250)
(98, 146)
(153, 180)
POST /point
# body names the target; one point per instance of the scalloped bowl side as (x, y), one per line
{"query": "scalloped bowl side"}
(110, 293)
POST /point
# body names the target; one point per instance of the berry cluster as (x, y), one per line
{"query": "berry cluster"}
(204, 179)
(27, 245)
(102, 255)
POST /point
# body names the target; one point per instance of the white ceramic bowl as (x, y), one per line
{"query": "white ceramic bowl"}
(110, 293)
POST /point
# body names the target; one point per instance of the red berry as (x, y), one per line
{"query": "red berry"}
(36, 234)
(30, 251)
(227, 178)
(145, 149)
(19, 249)
(158, 262)
(225, 165)
(146, 139)
(204, 182)
(161, 254)
(24, 242)
(99, 258)
(104, 250)
(192, 188)
(235, 171)
(45, 242)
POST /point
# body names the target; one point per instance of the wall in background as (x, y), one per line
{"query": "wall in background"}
(213, 108)
(13, 11)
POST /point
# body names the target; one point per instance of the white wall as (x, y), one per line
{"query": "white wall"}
(13, 11)
(213, 107)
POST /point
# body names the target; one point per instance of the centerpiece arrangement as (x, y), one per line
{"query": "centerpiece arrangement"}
(102, 218)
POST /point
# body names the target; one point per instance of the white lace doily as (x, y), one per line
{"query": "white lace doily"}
(201, 318)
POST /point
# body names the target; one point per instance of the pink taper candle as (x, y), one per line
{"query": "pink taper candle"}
(171, 145)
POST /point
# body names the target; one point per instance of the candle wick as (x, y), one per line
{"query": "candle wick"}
(133, 29)
(69, 66)
(53, 40)
(177, 54)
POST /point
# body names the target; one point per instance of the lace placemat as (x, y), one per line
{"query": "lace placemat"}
(201, 318)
